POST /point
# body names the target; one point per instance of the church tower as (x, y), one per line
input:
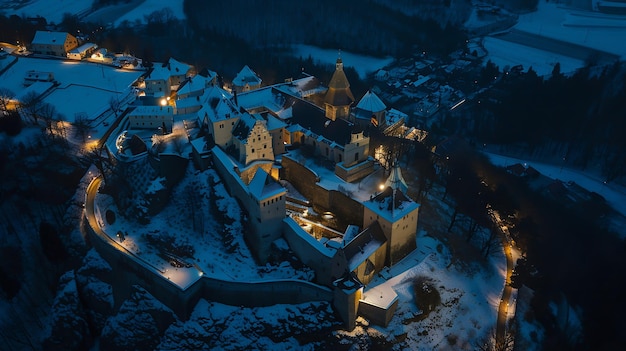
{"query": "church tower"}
(338, 98)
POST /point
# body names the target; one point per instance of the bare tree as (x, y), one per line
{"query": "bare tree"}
(82, 126)
(491, 343)
(49, 114)
(100, 158)
(115, 104)
(6, 95)
(30, 105)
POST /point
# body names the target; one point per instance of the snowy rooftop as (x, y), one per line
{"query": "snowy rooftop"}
(371, 102)
(262, 186)
(246, 76)
(391, 204)
(381, 296)
(47, 37)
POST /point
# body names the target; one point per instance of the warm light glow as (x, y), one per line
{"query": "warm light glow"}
(381, 187)
(163, 102)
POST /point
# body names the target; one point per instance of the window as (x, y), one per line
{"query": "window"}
(356, 156)
(265, 146)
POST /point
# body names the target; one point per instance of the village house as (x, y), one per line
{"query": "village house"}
(246, 80)
(152, 117)
(53, 43)
(165, 78)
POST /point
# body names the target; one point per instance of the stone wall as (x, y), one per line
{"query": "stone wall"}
(131, 270)
(305, 181)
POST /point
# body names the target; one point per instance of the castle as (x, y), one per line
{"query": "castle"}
(257, 136)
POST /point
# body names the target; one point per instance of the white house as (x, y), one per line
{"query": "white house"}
(152, 117)
(53, 43)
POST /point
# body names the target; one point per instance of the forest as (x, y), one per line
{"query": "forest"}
(575, 120)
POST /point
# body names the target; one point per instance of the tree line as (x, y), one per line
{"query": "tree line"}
(577, 118)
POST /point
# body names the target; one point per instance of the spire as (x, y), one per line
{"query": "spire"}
(395, 180)
(339, 64)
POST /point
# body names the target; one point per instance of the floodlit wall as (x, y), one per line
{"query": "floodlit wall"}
(328, 264)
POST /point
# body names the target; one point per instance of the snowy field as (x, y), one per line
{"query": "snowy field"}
(94, 83)
(590, 29)
(504, 53)
(53, 11)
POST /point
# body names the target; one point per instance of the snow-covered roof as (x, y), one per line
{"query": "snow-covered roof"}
(37, 87)
(391, 204)
(244, 126)
(262, 186)
(195, 84)
(246, 76)
(381, 296)
(274, 123)
(371, 102)
(394, 116)
(218, 104)
(176, 67)
(49, 38)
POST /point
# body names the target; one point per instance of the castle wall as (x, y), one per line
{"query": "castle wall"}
(328, 264)
(305, 181)
(130, 271)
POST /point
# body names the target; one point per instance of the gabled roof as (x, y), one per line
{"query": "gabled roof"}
(371, 102)
(176, 67)
(218, 105)
(165, 70)
(194, 84)
(54, 38)
(262, 186)
(246, 75)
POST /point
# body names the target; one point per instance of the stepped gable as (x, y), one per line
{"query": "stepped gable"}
(244, 126)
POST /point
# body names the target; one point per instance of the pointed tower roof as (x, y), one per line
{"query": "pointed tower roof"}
(339, 93)
(395, 180)
(371, 102)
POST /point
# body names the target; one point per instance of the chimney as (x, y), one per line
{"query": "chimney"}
(235, 97)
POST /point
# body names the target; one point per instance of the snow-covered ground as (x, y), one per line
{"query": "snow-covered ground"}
(590, 29)
(174, 225)
(504, 53)
(53, 11)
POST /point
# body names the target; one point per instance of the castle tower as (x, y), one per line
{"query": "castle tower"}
(397, 215)
(339, 97)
